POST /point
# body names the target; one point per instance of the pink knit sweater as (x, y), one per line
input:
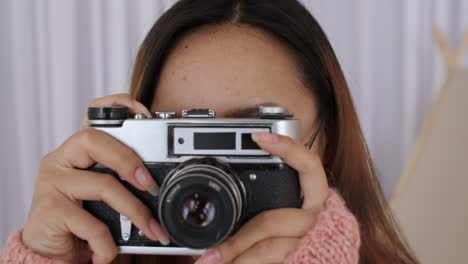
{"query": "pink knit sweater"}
(334, 239)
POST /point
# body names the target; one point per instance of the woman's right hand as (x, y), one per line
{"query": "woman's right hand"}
(57, 225)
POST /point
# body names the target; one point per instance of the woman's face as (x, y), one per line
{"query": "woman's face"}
(228, 68)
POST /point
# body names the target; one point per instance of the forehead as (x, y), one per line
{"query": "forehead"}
(227, 67)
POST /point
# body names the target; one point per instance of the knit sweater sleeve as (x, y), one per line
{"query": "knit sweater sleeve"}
(15, 252)
(334, 238)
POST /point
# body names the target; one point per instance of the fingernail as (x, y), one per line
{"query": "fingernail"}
(158, 232)
(265, 137)
(148, 114)
(154, 190)
(212, 256)
(144, 178)
(254, 137)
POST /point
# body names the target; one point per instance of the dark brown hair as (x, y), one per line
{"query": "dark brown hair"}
(346, 156)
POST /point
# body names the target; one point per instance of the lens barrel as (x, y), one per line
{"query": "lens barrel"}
(200, 203)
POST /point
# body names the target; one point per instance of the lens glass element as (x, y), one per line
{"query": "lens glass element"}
(200, 203)
(198, 210)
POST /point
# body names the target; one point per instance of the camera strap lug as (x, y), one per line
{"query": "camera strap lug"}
(125, 227)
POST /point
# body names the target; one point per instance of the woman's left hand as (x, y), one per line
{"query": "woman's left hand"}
(271, 235)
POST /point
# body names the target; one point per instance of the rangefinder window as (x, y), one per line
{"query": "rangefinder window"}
(208, 141)
(247, 142)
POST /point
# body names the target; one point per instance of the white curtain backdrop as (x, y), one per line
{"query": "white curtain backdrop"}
(57, 55)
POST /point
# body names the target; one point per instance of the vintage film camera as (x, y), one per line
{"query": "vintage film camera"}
(213, 177)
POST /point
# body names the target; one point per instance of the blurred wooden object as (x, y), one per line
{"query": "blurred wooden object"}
(452, 59)
(431, 198)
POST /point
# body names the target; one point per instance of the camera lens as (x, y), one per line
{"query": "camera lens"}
(200, 203)
(198, 211)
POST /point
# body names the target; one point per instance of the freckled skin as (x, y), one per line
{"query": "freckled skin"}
(226, 67)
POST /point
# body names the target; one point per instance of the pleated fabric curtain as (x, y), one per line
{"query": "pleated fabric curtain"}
(57, 55)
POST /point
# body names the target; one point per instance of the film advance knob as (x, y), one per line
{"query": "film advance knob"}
(108, 113)
(107, 116)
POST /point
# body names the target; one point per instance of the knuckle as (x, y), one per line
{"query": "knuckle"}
(315, 162)
(232, 246)
(47, 203)
(125, 96)
(98, 230)
(135, 103)
(45, 165)
(128, 156)
(87, 136)
(96, 102)
(133, 209)
(50, 176)
(264, 217)
(112, 253)
(105, 100)
(288, 150)
(138, 213)
(238, 261)
(267, 222)
(264, 247)
(285, 151)
(107, 182)
(46, 159)
(127, 162)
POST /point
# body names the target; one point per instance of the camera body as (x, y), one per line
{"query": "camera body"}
(212, 176)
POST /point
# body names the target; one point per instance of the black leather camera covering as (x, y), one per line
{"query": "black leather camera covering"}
(275, 186)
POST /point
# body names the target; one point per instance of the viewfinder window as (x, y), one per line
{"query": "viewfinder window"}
(207, 141)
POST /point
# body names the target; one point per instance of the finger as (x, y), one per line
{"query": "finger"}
(89, 146)
(134, 107)
(312, 176)
(273, 250)
(93, 186)
(87, 227)
(267, 224)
